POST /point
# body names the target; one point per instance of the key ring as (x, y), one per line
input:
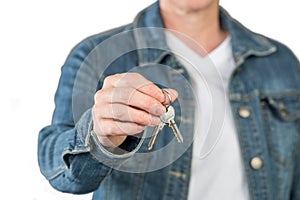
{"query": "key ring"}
(167, 95)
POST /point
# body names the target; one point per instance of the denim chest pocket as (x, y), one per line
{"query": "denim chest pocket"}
(281, 114)
(286, 108)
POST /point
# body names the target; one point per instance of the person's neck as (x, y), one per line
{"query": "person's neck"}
(202, 26)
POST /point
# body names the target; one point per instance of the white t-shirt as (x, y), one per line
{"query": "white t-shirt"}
(217, 168)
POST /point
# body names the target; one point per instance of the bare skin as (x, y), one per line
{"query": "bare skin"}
(197, 19)
(128, 102)
(125, 105)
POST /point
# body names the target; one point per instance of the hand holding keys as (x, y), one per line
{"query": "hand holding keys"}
(166, 118)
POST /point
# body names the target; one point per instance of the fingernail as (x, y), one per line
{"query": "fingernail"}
(157, 109)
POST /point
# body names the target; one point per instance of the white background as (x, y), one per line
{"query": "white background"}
(36, 37)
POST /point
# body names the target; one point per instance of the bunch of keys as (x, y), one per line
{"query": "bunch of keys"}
(166, 119)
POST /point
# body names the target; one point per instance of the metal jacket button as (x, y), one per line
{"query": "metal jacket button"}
(256, 163)
(244, 112)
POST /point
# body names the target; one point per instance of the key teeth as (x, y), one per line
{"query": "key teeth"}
(166, 119)
(176, 133)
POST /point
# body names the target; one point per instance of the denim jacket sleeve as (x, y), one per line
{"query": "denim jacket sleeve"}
(295, 194)
(63, 157)
(64, 147)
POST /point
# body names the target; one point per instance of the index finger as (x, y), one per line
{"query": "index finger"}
(136, 81)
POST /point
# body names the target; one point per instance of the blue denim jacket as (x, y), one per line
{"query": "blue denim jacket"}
(266, 83)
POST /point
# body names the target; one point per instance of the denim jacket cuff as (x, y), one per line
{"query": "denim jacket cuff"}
(130, 146)
(78, 146)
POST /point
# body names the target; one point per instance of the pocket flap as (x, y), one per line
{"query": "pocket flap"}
(286, 108)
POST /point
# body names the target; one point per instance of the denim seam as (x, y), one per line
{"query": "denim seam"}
(186, 166)
(74, 151)
(167, 188)
(53, 174)
(264, 171)
(267, 129)
(256, 93)
(244, 98)
(141, 179)
(73, 179)
(243, 151)
(241, 58)
(266, 113)
(107, 190)
(288, 92)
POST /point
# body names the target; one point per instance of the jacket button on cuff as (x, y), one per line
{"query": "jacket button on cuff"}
(244, 112)
(256, 163)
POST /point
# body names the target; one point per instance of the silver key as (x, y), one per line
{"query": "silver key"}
(169, 119)
(155, 132)
(166, 118)
(157, 129)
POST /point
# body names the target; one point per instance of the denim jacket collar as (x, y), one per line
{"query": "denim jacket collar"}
(243, 41)
(149, 37)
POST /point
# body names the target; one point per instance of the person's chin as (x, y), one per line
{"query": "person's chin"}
(196, 5)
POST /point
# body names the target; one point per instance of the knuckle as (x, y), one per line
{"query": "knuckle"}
(112, 80)
(95, 109)
(149, 103)
(132, 75)
(136, 75)
(125, 80)
(158, 94)
(108, 79)
(135, 78)
(104, 95)
(98, 95)
(126, 95)
(99, 111)
(145, 119)
(118, 113)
